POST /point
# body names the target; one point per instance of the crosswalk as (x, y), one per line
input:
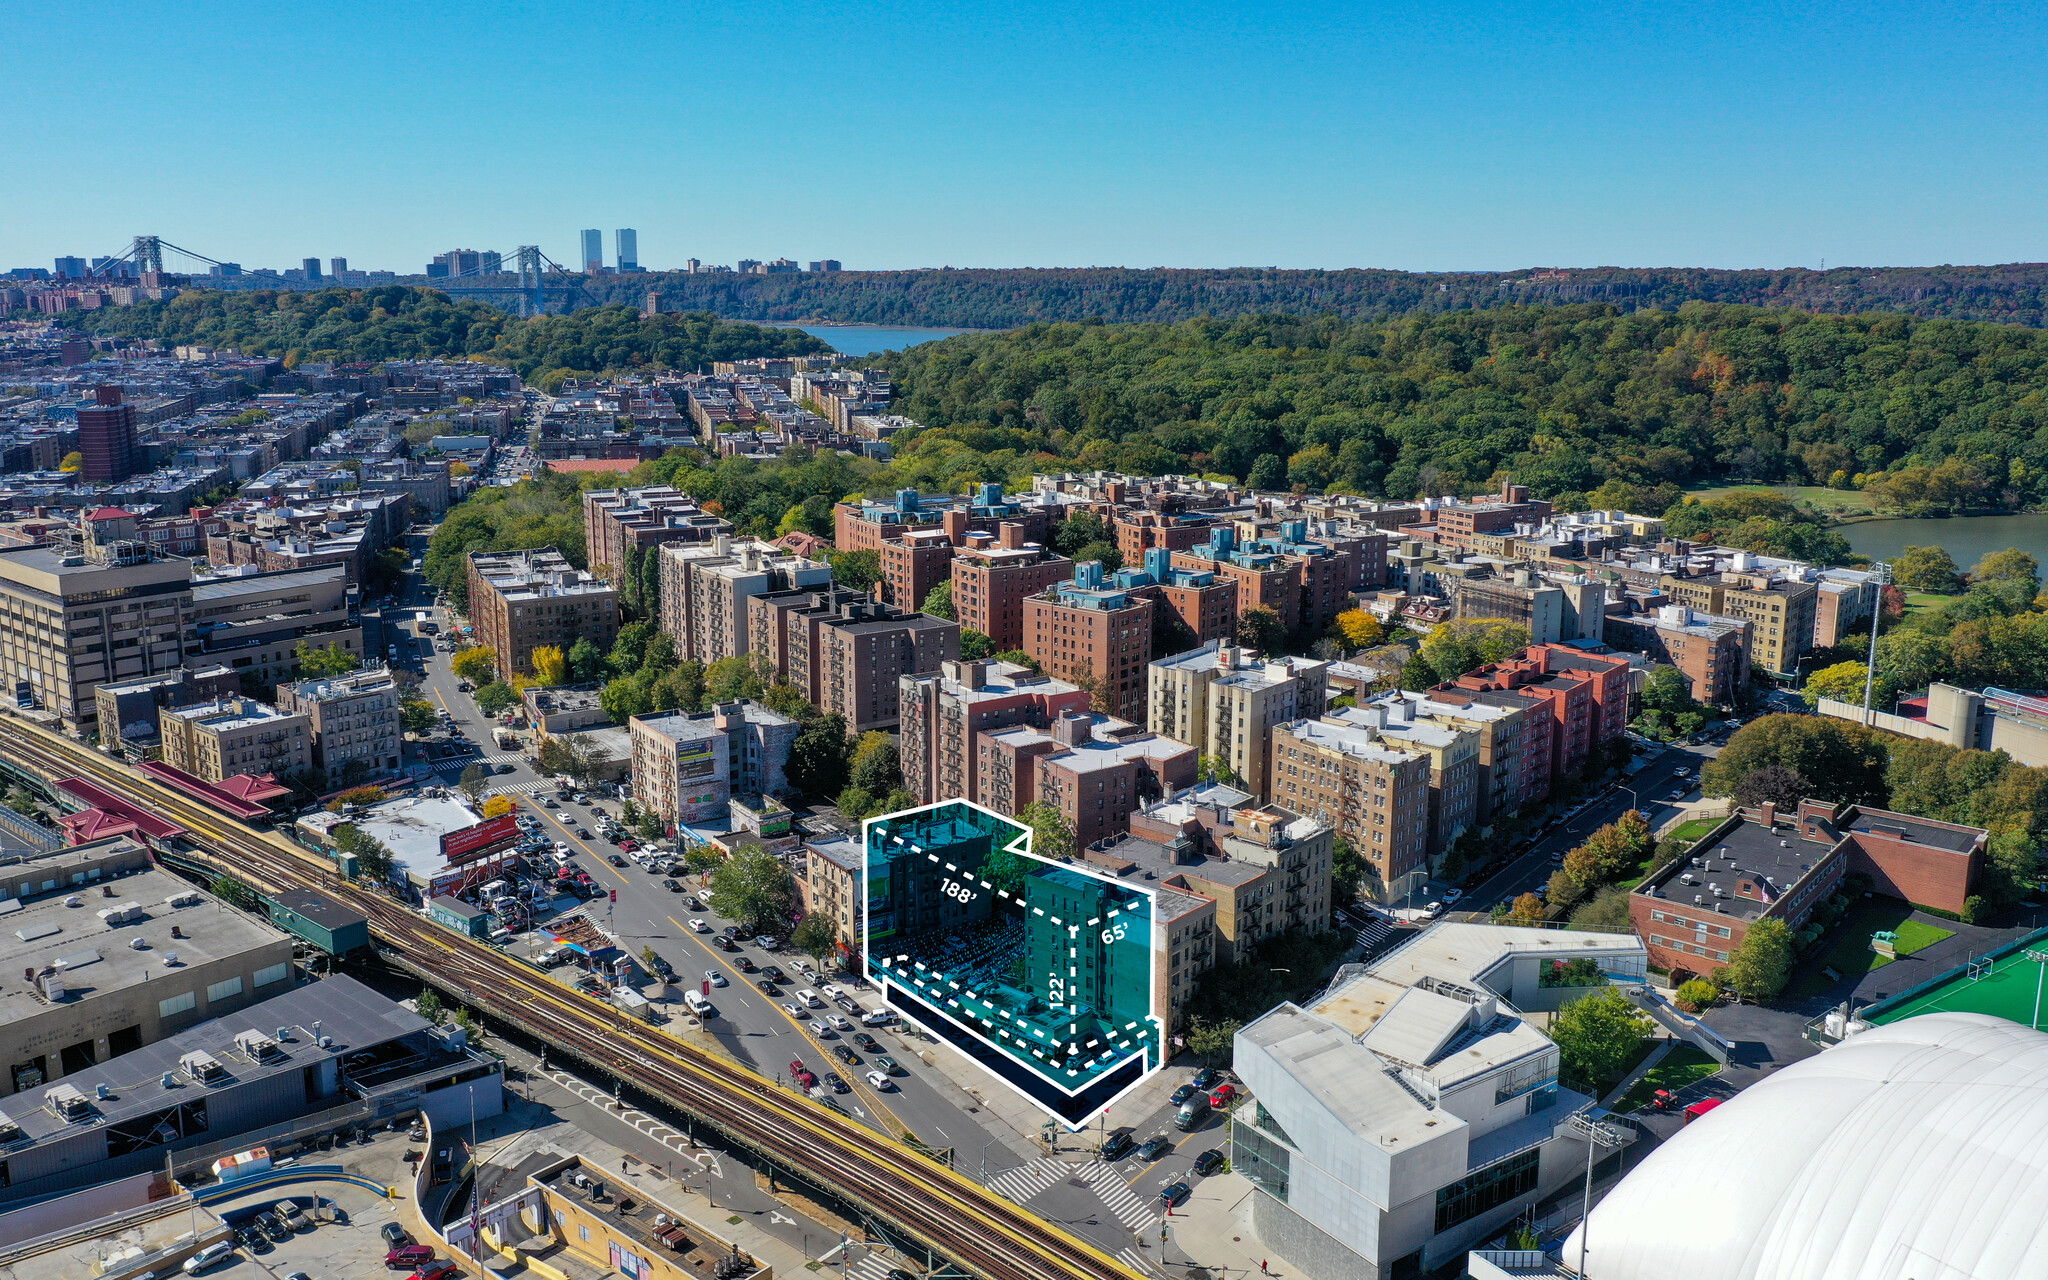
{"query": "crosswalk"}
(1130, 1208)
(1135, 1260)
(1027, 1180)
(705, 1161)
(872, 1266)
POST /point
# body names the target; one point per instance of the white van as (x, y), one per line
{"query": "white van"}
(698, 1004)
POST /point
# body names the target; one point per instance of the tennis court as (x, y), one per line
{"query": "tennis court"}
(2004, 985)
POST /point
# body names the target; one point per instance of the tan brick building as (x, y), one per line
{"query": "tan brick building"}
(523, 600)
(229, 736)
(354, 722)
(69, 622)
(615, 520)
(1373, 792)
(1780, 611)
(1226, 701)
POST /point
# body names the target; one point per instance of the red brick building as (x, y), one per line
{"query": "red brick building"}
(1587, 695)
(947, 712)
(993, 575)
(1100, 638)
(1694, 912)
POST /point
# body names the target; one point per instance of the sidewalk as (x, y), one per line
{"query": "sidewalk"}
(1212, 1231)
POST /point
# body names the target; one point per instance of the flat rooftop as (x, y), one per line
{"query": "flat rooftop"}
(213, 587)
(99, 957)
(1747, 853)
(410, 826)
(1144, 855)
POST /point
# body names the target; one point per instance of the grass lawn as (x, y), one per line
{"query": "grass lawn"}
(1847, 949)
(1922, 601)
(1848, 502)
(1598, 1089)
(1695, 829)
(1683, 1066)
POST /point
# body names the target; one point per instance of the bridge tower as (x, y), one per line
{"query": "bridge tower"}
(148, 254)
(532, 302)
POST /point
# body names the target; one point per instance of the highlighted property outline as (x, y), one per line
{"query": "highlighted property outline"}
(1102, 1065)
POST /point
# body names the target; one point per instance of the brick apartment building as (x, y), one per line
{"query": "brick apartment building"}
(1226, 701)
(1780, 610)
(229, 736)
(866, 650)
(915, 563)
(1711, 653)
(1094, 636)
(1694, 912)
(1140, 531)
(107, 440)
(1588, 696)
(865, 526)
(1374, 792)
(1091, 768)
(354, 723)
(1263, 579)
(992, 576)
(1455, 781)
(1514, 733)
(944, 713)
(778, 628)
(707, 590)
(1457, 525)
(615, 520)
(522, 600)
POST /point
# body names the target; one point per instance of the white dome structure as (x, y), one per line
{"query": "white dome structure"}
(1915, 1151)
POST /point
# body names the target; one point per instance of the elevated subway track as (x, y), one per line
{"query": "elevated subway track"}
(925, 1201)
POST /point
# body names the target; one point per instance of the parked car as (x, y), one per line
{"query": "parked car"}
(698, 926)
(767, 942)
(745, 965)
(837, 1084)
(209, 1257)
(1183, 1093)
(671, 886)
(879, 1018)
(839, 1022)
(443, 1270)
(771, 972)
(724, 943)
(1117, 1145)
(271, 1227)
(1207, 1078)
(292, 1216)
(394, 1235)
(251, 1239)
(1173, 1195)
(845, 1055)
(795, 1010)
(1209, 1162)
(1222, 1095)
(810, 998)
(408, 1258)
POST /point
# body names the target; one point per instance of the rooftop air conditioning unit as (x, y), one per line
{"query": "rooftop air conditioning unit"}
(170, 959)
(74, 901)
(169, 1081)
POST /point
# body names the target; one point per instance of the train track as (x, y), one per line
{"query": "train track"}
(953, 1216)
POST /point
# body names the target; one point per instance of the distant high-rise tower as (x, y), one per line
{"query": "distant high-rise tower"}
(337, 267)
(70, 268)
(593, 251)
(312, 266)
(106, 438)
(626, 248)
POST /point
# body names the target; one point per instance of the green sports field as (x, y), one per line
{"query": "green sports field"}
(2007, 990)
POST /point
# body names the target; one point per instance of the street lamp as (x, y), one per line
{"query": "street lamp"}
(1883, 570)
(2040, 959)
(1597, 1134)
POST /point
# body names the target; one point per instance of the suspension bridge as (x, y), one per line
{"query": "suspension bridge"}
(539, 282)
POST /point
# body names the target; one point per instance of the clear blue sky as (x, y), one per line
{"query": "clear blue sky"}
(1439, 137)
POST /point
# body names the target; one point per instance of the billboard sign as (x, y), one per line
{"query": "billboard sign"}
(472, 842)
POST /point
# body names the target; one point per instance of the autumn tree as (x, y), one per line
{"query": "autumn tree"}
(1360, 630)
(550, 665)
(475, 664)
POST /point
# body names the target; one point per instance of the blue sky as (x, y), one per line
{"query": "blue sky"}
(1445, 137)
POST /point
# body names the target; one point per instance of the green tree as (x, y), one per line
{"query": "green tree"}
(476, 780)
(1052, 836)
(624, 698)
(1667, 690)
(1927, 569)
(857, 570)
(1269, 472)
(319, 664)
(1598, 1036)
(1261, 629)
(430, 1007)
(818, 757)
(938, 602)
(1212, 1043)
(1020, 658)
(1347, 872)
(586, 661)
(233, 892)
(629, 650)
(1078, 530)
(1103, 552)
(417, 716)
(974, 645)
(753, 887)
(1759, 968)
(1843, 761)
(1843, 682)
(1418, 674)
(1606, 911)
(495, 697)
(730, 679)
(878, 771)
(817, 936)
(1696, 995)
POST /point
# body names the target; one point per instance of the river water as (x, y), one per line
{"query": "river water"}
(1967, 538)
(867, 339)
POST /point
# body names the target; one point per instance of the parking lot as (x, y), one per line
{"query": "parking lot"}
(348, 1248)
